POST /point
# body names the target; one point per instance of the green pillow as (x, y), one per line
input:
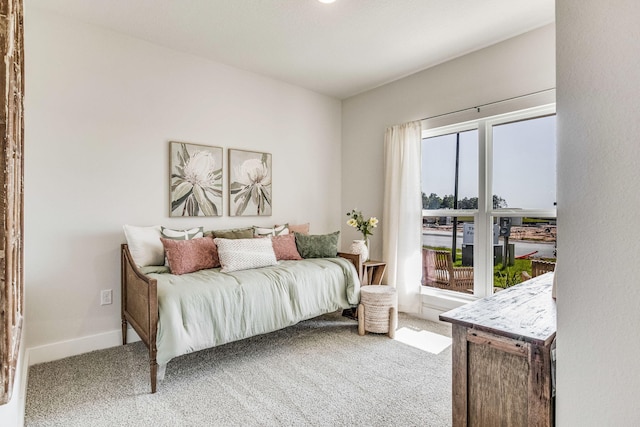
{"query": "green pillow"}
(235, 233)
(317, 246)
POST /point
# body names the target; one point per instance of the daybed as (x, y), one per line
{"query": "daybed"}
(179, 314)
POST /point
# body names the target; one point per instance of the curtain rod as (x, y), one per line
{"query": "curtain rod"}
(488, 103)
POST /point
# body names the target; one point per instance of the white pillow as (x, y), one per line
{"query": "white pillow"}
(145, 245)
(243, 254)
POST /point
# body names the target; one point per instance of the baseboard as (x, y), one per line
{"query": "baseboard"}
(62, 349)
(433, 304)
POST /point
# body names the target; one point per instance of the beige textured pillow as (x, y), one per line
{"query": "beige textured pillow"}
(243, 254)
(235, 233)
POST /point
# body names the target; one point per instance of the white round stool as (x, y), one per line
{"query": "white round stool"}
(377, 311)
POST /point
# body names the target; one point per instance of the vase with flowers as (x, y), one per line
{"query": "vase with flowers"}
(364, 226)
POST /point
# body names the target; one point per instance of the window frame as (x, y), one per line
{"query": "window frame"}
(484, 215)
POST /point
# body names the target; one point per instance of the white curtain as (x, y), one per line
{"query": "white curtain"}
(402, 213)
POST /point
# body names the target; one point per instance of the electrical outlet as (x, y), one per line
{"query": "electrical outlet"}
(105, 297)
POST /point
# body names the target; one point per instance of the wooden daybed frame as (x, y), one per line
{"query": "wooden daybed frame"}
(140, 304)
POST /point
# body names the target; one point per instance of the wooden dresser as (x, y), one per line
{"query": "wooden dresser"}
(502, 357)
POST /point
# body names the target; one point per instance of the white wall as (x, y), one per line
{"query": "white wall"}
(101, 109)
(518, 66)
(598, 240)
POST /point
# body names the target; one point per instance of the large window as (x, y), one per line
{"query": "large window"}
(488, 200)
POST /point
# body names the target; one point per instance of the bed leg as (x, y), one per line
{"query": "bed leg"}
(154, 374)
(124, 332)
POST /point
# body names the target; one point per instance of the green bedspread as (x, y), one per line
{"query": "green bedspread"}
(208, 308)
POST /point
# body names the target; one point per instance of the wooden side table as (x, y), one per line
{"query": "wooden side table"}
(373, 272)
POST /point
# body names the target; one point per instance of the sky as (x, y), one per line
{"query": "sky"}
(524, 163)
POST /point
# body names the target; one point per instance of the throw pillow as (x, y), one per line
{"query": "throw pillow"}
(235, 233)
(317, 246)
(144, 244)
(299, 228)
(243, 254)
(284, 247)
(187, 256)
(192, 233)
(275, 231)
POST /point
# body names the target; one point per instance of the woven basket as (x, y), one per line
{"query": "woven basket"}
(377, 310)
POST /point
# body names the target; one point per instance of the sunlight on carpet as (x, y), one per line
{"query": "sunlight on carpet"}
(423, 340)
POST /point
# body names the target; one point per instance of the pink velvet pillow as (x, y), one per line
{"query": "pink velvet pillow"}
(284, 247)
(299, 228)
(187, 256)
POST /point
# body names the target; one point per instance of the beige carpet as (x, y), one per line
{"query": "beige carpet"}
(317, 373)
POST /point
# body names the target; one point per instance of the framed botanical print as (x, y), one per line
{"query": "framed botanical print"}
(249, 183)
(196, 180)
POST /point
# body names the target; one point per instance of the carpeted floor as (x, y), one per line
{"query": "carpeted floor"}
(317, 373)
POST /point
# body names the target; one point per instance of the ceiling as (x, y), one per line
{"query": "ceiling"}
(338, 49)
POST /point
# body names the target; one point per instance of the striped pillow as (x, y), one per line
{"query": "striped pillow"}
(189, 234)
(278, 230)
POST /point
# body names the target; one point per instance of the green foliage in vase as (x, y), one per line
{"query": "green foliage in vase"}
(365, 226)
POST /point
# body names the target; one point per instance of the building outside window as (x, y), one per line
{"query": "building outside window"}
(488, 200)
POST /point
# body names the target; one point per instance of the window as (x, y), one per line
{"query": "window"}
(488, 200)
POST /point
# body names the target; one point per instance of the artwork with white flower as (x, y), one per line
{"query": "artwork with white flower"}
(196, 180)
(249, 183)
